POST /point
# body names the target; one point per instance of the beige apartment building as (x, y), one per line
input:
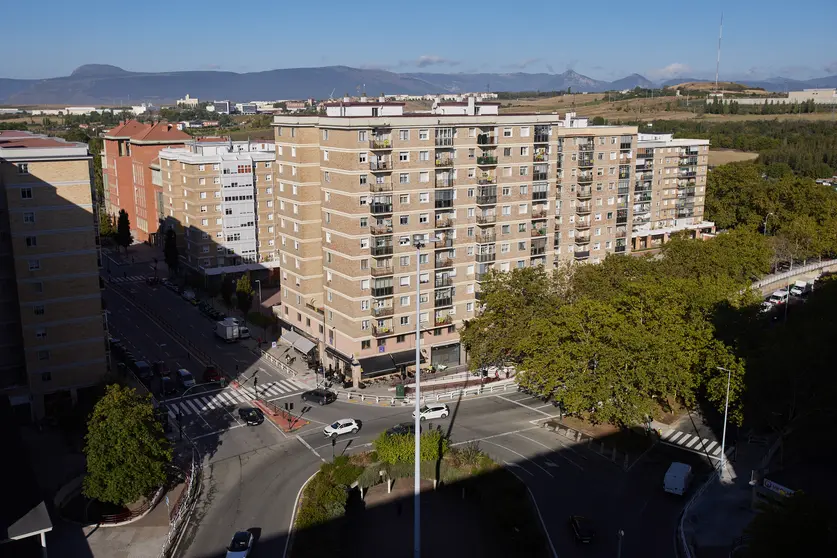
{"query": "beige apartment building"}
(670, 190)
(54, 327)
(482, 191)
(218, 195)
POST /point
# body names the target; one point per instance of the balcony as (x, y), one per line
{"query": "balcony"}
(486, 257)
(539, 213)
(540, 157)
(318, 309)
(380, 144)
(487, 219)
(378, 251)
(444, 141)
(444, 243)
(444, 281)
(541, 231)
(380, 208)
(619, 249)
(380, 229)
(582, 238)
(441, 301)
(486, 179)
(540, 176)
(584, 192)
(444, 223)
(585, 162)
(621, 233)
(443, 203)
(537, 250)
(687, 174)
(381, 271)
(486, 160)
(442, 162)
(381, 331)
(486, 237)
(382, 311)
(582, 255)
(581, 225)
(379, 165)
(541, 138)
(444, 320)
(687, 192)
(583, 209)
(381, 291)
(443, 262)
(487, 199)
(486, 139)
(585, 176)
(688, 161)
(444, 182)
(380, 186)
(588, 146)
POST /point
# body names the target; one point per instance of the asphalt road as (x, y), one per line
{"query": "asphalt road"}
(255, 473)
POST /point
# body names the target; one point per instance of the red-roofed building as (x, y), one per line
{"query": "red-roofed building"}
(129, 151)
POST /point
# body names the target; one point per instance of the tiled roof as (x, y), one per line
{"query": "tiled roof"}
(162, 131)
(17, 139)
(127, 129)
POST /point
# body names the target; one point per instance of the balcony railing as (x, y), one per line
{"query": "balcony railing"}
(486, 219)
(539, 214)
(687, 174)
(486, 237)
(443, 282)
(582, 239)
(582, 225)
(444, 243)
(486, 179)
(539, 232)
(541, 138)
(444, 320)
(380, 143)
(380, 229)
(487, 199)
(444, 223)
(688, 161)
(486, 160)
(382, 311)
(589, 146)
(584, 192)
(380, 186)
(619, 249)
(537, 250)
(443, 203)
(486, 139)
(443, 301)
(444, 262)
(582, 255)
(487, 257)
(444, 141)
(583, 209)
(382, 250)
(444, 182)
(585, 163)
(444, 162)
(381, 291)
(382, 271)
(381, 331)
(379, 208)
(379, 165)
(621, 234)
(540, 157)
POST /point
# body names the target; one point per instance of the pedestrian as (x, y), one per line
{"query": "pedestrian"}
(507, 374)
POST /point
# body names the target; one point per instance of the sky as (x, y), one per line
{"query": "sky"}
(606, 40)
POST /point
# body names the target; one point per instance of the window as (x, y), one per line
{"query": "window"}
(40, 333)
(404, 135)
(405, 320)
(524, 170)
(361, 135)
(523, 208)
(31, 241)
(404, 178)
(524, 132)
(23, 168)
(505, 229)
(424, 135)
(268, 164)
(507, 171)
(215, 180)
(293, 151)
(29, 217)
(201, 181)
(504, 248)
(365, 344)
(524, 189)
(521, 227)
(43, 355)
(404, 261)
(404, 156)
(204, 222)
(507, 132)
(404, 220)
(469, 307)
(506, 210)
(424, 197)
(26, 193)
(325, 134)
(34, 265)
(404, 198)
(325, 155)
(507, 152)
(424, 155)
(362, 158)
(424, 177)
(404, 281)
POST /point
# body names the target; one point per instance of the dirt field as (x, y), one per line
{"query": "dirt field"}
(724, 156)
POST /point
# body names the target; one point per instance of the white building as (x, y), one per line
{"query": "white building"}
(188, 101)
(246, 108)
(221, 107)
(143, 108)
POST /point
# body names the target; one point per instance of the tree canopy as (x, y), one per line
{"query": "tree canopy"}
(127, 452)
(244, 294)
(124, 237)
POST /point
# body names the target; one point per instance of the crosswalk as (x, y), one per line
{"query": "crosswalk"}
(128, 279)
(232, 397)
(692, 442)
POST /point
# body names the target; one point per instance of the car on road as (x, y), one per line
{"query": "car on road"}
(161, 369)
(168, 386)
(188, 295)
(240, 545)
(319, 396)
(583, 528)
(251, 415)
(403, 428)
(211, 374)
(433, 411)
(142, 370)
(342, 426)
(185, 378)
(778, 297)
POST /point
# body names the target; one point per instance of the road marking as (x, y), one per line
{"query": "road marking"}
(284, 396)
(293, 516)
(493, 436)
(550, 463)
(518, 466)
(307, 445)
(192, 406)
(217, 432)
(551, 449)
(523, 457)
(338, 441)
(537, 509)
(542, 406)
(521, 404)
(298, 384)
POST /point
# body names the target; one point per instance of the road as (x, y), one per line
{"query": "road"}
(254, 473)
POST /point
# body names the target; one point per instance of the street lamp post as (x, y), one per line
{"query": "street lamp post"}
(620, 534)
(418, 242)
(259, 283)
(724, 432)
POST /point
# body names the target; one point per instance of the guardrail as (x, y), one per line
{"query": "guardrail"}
(183, 508)
(126, 517)
(779, 277)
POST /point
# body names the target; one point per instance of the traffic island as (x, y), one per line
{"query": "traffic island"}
(285, 420)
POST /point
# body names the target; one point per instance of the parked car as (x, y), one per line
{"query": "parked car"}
(211, 374)
(188, 295)
(433, 411)
(185, 378)
(342, 426)
(142, 370)
(251, 415)
(403, 428)
(161, 369)
(319, 396)
(168, 386)
(583, 528)
(240, 545)
(778, 297)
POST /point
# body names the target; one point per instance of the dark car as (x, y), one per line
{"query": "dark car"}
(319, 396)
(211, 374)
(168, 386)
(251, 415)
(403, 428)
(161, 369)
(583, 528)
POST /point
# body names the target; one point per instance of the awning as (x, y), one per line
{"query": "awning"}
(303, 345)
(338, 355)
(289, 336)
(376, 366)
(406, 358)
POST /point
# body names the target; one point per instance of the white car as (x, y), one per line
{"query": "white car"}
(342, 426)
(433, 411)
(240, 545)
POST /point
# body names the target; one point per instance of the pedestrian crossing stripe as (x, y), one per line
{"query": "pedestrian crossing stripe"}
(128, 279)
(231, 398)
(692, 442)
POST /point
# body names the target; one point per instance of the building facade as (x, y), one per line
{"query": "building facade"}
(670, 190)
(481, 191)
(218, 196)
(54, 341)
(129, 150)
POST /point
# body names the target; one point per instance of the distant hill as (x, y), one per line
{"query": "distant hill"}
(710, 85)
(102, 84)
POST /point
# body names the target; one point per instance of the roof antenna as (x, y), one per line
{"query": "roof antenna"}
(718, 63)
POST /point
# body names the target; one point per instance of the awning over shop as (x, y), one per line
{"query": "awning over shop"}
(289, 336)
(303, 345)
(406, 358)
(376, 366)
(338, 355)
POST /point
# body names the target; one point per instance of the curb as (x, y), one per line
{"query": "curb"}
(291, 529)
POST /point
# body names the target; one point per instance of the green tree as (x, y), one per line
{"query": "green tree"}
(244, 294)
(282, 106)
(227, 291)
(124, 237)
(802, 525)
(106, 228)
(170, 252)
(126, 450)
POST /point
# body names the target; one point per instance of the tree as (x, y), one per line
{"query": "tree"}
(124, 237)
(106, 229)
(802, 525)
(227, 290)
(170, 253)
(244, 294)
(127, 452)
(280, 105)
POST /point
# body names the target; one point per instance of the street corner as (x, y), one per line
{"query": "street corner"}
(286, 421)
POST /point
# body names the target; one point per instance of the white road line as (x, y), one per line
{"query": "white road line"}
(684, 439)
(521, 404)
(293, 516)
(710, 446)
(519, 466)
(537, 509)
(217, 432)
(693, 442)
(339, 440)
(523, 457)
(542, 406)
(207, 403)
(672, 439)
(284, 397)
(228, 398)
(300, 385)
(218, 401)
(282, 388)
(273, 390)
(182, 408)
(192, 406)
(552, 449)
(494, 436)
(307, 445)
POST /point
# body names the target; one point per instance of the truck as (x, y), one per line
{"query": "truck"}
(677, 478)
(226, 331)
(243, 332)
(802, 288)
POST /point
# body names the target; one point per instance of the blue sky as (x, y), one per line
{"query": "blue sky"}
(607, 39)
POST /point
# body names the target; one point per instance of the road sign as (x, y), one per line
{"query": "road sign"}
(273, 345)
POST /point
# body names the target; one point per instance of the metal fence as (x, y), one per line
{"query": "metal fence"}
(791, 273)
(179, 514)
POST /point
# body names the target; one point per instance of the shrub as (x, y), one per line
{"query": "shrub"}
(399, 448)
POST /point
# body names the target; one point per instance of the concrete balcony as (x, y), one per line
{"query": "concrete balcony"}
(381, 271)
(380, 165)
(381, 331)
(444, 182)
(382, 311)
(380, 186)
(444, 162)
(486, 160)
(380, 229)
(486, 257)
(378, 251)
(380, 143)
(488, 219)
(443, 262)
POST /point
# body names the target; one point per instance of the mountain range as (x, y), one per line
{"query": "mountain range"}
(101, 84)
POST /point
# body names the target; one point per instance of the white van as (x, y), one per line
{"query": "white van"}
(778, 297)
(677, 478)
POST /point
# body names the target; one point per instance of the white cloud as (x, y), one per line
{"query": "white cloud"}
(675, 69)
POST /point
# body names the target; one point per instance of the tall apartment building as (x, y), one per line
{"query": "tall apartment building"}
(129, 149)
(483, 191)
(670, 189)
(54, 329)
(218, 194)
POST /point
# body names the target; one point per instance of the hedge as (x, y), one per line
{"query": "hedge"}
(400, 448)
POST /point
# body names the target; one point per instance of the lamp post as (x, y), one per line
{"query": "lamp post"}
(259, 283)
(418, 242)
(724, 432)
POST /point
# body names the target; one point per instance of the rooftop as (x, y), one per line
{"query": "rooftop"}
(139, 132)
(26, 145)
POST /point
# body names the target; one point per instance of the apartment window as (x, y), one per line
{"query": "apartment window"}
(424, 155)
(505, 229)
(471, 192)
(325, 134)
(506, 210)
(202, 181)
(424, 218)
(404, 198)
(507, 171)
(404, 156)
(404, 220)
(524, 170)
(31, 241)
(215, 180)
(39, 309)
(524, 189)
(507, 132)
(424, 135)
(423, 259)
(219, 221)
(43, 355)
(29, 217)
(404, 261)
(504, 248)
(23, 168)
(268, 164)
(361, 135)
(34, 265)
(404, 178)
(424, 197)
(404, 135)
(524, 132)
(405, 301)
(507, 152)
(293, 151)
(26, 193)
(521, 227)
(40, 333)
(365, 344)
(38, 287)
(325, 155)
(404, 281)
(521, 245)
